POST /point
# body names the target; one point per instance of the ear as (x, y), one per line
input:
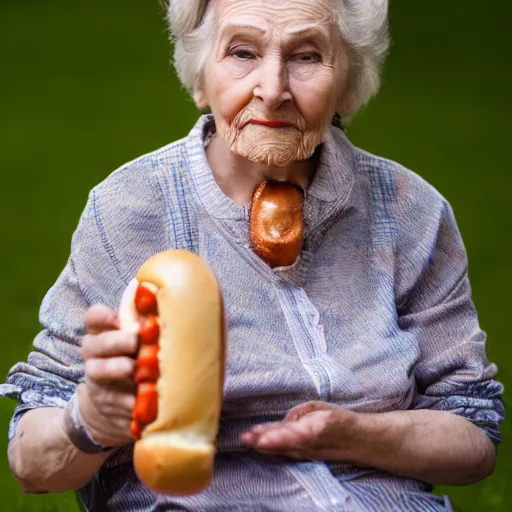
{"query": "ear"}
(200, 99)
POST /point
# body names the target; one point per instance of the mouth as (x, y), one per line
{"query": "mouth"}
(270, 124)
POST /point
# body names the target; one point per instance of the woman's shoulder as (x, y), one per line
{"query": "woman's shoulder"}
(137, 208)
(398, 190)
(141, 190)
(144, 172)
(406, 208)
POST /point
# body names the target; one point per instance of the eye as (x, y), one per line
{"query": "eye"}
(243, 54)
(309, 57)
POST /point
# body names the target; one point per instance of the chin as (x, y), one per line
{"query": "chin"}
(280, 149)
(271, 157)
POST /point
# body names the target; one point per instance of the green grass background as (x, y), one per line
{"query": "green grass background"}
(86, 86)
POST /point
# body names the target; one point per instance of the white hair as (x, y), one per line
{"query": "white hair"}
(363, 25)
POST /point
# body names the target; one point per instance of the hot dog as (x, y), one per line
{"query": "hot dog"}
(175, 306)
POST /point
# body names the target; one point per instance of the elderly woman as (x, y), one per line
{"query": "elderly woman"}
(356, 375)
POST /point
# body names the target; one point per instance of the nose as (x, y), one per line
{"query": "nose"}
(273, 85)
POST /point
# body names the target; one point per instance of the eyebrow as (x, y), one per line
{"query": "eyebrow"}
(233, 27)
(313, 33)
(310, 32)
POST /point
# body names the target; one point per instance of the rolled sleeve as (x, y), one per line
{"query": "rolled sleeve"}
(54, 366)
(435, 305)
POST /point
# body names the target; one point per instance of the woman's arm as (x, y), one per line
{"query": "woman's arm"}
(58, 370)
(447, 435)
(41, 454)
(437, 447)
(43, 459)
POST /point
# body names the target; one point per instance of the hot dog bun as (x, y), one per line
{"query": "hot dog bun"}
(175, 454)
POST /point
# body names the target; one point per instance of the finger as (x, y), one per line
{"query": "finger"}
(248, 438)
(263, 427)
(279, 439)
(120, 386)
(251, 437)
(99, 318)
(113, 368)
(108, 344)
(305, 408)
(289, 436)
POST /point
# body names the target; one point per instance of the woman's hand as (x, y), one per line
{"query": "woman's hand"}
(313, 430)
(107, 398)
(437, 447)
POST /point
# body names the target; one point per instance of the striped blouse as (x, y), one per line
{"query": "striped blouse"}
(375, 315)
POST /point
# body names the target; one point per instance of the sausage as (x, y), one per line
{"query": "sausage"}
(277, 222)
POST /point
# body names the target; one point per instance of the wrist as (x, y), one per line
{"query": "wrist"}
(77, 432)
(378, 437)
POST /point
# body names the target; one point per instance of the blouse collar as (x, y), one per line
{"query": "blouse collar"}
(331, 185)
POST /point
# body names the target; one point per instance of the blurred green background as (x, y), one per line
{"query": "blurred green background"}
(87, 86)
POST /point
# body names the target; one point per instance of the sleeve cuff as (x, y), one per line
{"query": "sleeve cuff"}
(480, 403)
(76, 431)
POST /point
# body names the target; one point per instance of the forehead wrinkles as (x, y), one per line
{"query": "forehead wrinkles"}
(292, 16)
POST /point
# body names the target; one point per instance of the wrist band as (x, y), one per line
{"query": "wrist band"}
(77, 433)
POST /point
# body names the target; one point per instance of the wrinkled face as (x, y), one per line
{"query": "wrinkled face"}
(276, 70)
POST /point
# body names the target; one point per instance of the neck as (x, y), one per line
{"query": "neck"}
(238, 177)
